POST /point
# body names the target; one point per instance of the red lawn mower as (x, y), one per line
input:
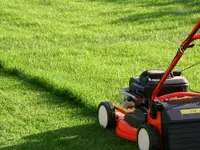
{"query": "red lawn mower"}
(163, 115)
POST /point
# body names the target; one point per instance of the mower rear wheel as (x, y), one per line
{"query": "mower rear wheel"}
(106, 115)
(147, 137)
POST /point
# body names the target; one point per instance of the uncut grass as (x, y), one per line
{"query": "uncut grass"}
(91, 48)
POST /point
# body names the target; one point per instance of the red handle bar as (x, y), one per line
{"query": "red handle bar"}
(177, 94)
(195, 37)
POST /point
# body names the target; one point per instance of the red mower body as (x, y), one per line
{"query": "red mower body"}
(161, 114)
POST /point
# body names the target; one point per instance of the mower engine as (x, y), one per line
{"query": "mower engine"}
(141, 88)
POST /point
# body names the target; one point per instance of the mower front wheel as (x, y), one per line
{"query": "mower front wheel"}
(106, 115)
(147, 138)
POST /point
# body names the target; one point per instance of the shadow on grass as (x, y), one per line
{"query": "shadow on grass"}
(144, 3)
(159, 10)
(144, 18)
(77, 137)
(61, 95)
(191, 3)
(88, 136)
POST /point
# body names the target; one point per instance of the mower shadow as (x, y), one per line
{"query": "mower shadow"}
(56, 95)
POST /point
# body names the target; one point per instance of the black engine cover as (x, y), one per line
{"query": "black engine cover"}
(148, 80)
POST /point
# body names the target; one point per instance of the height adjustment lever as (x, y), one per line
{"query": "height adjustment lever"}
(191, 45)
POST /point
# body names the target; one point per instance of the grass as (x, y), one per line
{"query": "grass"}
(34, 118)
(59, 59)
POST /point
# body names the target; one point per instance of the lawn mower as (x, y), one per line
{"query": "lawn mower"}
(157, 111)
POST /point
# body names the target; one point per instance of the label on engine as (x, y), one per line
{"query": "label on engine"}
(190, 111)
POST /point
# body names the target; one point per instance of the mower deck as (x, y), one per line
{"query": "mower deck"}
(124, 130)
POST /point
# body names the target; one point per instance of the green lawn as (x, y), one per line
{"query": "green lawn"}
(60, 58)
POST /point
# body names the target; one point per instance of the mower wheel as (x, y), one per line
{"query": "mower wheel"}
(147, 137)
(106, 115)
